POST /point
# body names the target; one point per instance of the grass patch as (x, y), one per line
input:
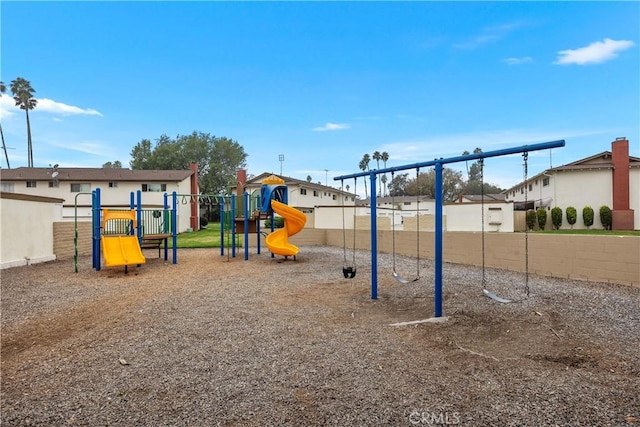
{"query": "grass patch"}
(591, 232)
(205, 238)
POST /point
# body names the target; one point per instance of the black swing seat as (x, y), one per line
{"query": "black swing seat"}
(349, 272)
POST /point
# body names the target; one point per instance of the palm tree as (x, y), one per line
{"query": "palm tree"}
(23, 96)
(376, 157)
(3, 89)
(364, 166)
(384, 157)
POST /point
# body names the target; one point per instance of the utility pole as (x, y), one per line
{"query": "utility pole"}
(326, 177)
(281, 159)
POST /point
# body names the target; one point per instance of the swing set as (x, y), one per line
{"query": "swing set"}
(439, 228)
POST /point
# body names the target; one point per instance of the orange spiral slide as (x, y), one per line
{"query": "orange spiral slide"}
(294, 221)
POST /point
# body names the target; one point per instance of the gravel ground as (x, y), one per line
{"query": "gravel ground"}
(217, 341)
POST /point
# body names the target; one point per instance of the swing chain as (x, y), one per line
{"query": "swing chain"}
(481, 164)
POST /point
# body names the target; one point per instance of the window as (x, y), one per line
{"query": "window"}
(303, 191)
(80, 187)
(333, 196)
(31, 184)
(54, 184)
(315, 193)
(407, 203)
(7, 187)
(545, 181)
(530, 187)
(521, 190)
(113, 185)
(154, 187)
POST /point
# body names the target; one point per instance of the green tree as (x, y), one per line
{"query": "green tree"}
(376, 156)
(115, 165)
(425, 185)
(217, 158)
(572, 215)
(384, 157)
(587, 216)
(364, 166)
(398, 185)
(23, 97)
(475, 183)
(542, 218)
(309, 178)
(606, 217)
(3, 89)
(556, 217)
(530, 219)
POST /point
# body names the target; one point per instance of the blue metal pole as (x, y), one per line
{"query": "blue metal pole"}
(131, 200)
(139, 215)
(94, 207)
(174, 226)
(233, 225)
(438, 244)
(374, 237)
(97, 230)
(222, 219)
(165, 226)
(246, 226)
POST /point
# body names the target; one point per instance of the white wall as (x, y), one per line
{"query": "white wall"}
(26, 231)
(459, 217)
(583, 188)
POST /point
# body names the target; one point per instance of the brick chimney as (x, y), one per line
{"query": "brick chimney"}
(622, 214)
(242, 182)
(194, 219)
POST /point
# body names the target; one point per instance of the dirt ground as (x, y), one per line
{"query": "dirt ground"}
(220, 341)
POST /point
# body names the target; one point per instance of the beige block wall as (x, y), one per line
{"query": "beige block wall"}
(612, 259)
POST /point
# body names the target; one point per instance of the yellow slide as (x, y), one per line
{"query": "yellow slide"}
(121, 250)
(294, 221)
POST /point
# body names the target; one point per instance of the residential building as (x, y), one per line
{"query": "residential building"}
(74, 185)
(610, 178)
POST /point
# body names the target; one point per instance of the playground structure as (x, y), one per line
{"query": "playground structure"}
(241, 215)
(119, 235)
(438, 164)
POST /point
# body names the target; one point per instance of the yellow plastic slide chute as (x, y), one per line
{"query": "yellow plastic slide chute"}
(294, 221)
(120, 250)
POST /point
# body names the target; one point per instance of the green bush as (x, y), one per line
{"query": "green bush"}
(531, 219)
(556, 218)
(278, 222)
(587, 216)
(542, 218)
(203, 222)
(572, 215)
(606, 217)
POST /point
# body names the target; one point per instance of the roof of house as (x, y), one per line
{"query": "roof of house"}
(257, 180)
(487, 197)
(94, 174)
(597, 161)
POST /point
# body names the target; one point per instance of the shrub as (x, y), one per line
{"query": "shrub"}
(556, 217)
(203, 222)
(531, 219)
(605, 217)
(542, 218)
(278, 222)
(572, 215)
(587, 216)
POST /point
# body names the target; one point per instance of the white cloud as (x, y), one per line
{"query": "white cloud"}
(51, 106)
(595, 53)
(330, 127)
(454, 144)
(8, 108)
(487, 35)
(517, 61)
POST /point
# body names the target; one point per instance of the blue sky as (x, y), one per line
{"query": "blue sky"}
(324, 82)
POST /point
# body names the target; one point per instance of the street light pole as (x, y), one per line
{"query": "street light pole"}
(326, 177)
